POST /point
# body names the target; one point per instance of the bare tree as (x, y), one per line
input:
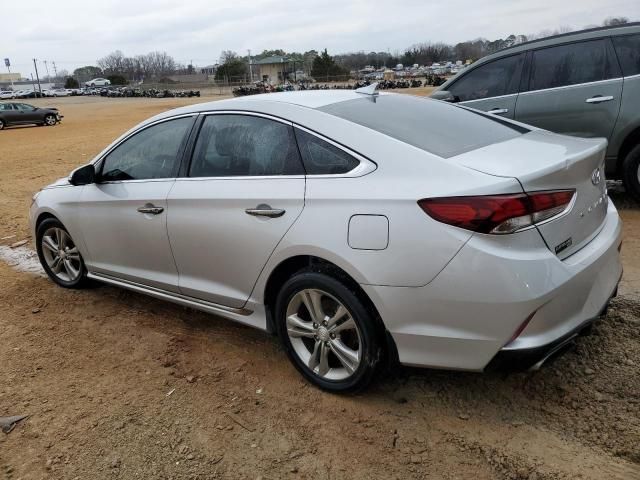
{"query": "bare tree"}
(613, 21)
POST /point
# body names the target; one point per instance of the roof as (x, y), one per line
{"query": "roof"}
(271, 60)
(571, 34)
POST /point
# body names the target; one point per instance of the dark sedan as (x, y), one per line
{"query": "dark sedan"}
(25, 114)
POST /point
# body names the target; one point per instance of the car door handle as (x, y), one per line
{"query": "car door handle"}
(150, 208)
(498, 111)
(264, 210)
(599, 99)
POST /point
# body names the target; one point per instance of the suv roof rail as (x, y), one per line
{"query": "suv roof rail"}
(568, 34)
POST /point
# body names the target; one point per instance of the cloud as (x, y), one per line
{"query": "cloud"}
(198, 30)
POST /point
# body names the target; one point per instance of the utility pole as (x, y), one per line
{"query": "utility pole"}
(250, 68)
(55, 71)
(47, 68)
(35, 64)
(8, 64)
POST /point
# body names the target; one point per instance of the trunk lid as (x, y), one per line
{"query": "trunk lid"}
(542, 160)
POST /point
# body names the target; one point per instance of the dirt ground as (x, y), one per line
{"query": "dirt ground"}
(118, 385)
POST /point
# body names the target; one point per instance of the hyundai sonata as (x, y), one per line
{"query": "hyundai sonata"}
(360, 227)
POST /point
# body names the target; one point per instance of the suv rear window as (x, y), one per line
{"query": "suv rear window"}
(628, 51)
(571, 64)
(431, 125)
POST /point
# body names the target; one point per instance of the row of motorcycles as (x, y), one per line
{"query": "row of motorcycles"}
(149, 92)
(262, 87)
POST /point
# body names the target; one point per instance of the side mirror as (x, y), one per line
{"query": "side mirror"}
(445, 96)
(83, 175)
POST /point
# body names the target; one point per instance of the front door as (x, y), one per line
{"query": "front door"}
(27, 113)
(491, 87)
(574, 89)
(244, 190)
(124, 214)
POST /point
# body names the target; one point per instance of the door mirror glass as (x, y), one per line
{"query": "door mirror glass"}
(83, 175)
(444, 95)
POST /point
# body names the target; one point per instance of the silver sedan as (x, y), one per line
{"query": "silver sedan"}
(362, 228)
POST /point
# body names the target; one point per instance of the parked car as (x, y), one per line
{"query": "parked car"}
(98, 82)
(25, 114)
(310, 214)
(583, 83)
(60, 92)
(7, 94)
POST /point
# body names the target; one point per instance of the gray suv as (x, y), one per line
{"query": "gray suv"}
(584, 83)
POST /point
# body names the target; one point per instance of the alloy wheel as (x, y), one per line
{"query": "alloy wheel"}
(61, 254)
(324, 334)
(50, 120)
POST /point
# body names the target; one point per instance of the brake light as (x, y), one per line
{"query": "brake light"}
(498, 214)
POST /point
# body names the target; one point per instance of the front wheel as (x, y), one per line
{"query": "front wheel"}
(631, 172)
(50, 120)
(327, 332)
(59, 255)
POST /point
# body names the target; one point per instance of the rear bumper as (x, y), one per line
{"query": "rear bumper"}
(471, 310)
(534, 358)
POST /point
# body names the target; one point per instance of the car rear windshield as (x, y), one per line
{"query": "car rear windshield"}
(431, 125)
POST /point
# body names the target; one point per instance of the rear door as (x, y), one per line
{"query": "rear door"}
(8, 112)
(243, 191)
(573, 89)
(491, 87)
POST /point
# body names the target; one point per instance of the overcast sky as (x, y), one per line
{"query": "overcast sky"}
(74, 33)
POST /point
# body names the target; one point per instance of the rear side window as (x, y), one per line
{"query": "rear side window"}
(244, 145)
(499, 77)
(5, 106)
(322, 158)
(628, 51)
(571, 64)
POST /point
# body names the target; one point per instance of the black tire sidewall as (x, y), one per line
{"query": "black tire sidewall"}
(82, 280)
(371, 350)
(630, 167)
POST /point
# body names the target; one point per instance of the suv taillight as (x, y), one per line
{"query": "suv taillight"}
(498, 214)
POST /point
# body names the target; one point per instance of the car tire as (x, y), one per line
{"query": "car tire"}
(50, 120)
(631, 172)
(2, 124)
(59, 255)
(338, 357)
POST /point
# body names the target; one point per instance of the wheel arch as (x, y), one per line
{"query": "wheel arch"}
(288, 267)
(631, 140)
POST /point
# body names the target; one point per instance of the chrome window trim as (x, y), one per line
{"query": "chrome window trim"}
(135, 132)
(564, 87)
(490, 98)
(364, 167)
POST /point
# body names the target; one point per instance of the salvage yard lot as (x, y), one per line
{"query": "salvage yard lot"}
(118, 385)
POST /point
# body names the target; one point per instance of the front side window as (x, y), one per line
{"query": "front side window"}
(500, 77)
(24, 107)
(244, 145)
(322, 158)
(152, 153)
(571, 64)
(628, 51)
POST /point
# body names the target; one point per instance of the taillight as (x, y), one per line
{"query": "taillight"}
(498, 214)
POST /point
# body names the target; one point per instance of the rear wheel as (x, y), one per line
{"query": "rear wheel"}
(631, 172)
(59, 255)
(50, 120)
(2, 124)
(327, 332)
